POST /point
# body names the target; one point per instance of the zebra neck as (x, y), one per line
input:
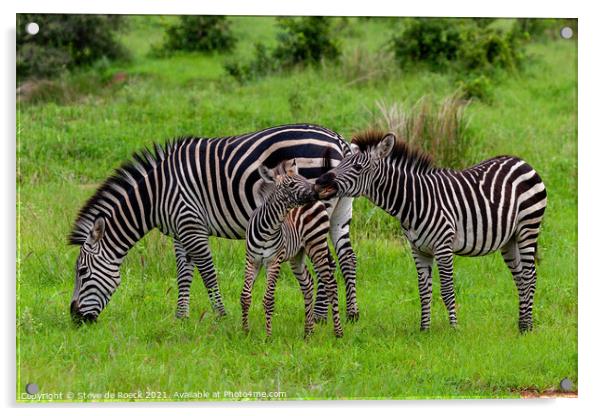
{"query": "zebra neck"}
(138, 210)
(394, 189)
(270, 217)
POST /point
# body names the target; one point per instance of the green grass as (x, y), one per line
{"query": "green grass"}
(66, 149)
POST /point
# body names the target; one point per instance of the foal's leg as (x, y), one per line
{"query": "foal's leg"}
(251, 272)
(268, 299)
(306, 282)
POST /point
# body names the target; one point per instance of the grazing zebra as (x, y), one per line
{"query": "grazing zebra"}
(190, 189)
(495, 205)
(284, 228)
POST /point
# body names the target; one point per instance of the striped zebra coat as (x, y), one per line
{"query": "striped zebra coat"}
(496, 205)
(287, 226)
(191, 189)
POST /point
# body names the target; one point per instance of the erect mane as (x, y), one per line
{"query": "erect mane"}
(125, 177)
(401, 150)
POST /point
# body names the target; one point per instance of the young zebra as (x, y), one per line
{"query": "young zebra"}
(191, 189)
(285, 228)
(496, 205)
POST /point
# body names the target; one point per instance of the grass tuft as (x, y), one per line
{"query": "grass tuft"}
(438, 128)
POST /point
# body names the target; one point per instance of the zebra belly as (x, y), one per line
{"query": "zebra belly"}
(476, 247)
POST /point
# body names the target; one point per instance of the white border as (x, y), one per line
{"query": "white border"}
(590, 228)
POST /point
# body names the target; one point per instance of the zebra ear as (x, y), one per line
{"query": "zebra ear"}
(385, 146)
(355, 149)
(266, 174)
(98, 230)
(291, 168)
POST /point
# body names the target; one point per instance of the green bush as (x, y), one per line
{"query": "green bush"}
(484, 50)
(543, 29)
(199, 33)
(261, 65)
(65, 42)
(461, 44)
(305, 40)
(302, 41)
(478, 87)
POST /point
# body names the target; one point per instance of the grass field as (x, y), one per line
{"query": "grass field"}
(66, 149)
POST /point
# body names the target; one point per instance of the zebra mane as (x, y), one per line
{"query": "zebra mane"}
(125, 177)
(413, 155)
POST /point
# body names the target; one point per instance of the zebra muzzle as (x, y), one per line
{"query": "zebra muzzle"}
(325, 191)
(77, 317)
(326, 186)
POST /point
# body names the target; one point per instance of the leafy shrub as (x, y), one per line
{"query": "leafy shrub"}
(65, 42)
(261, 65)
(543, 29)
(461, 43)
(433, 41)
(487, 49)
(438, 128)
(199, 33)
(302, 41)
(478, 87)
(305, 40)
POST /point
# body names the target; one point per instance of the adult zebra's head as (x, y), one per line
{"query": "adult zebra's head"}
(287, 185)
(96, 276)
(355, 172)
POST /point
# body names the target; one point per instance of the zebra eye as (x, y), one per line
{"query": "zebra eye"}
(83, 271)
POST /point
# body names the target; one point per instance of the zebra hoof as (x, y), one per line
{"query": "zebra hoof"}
(525, 328)
(424, 329)
(307, 335)
(338, 334)
(320, 319)
(182, 314)
(353, 316)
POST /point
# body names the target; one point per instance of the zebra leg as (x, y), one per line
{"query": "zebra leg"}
(520, 259)
(268, 299)
(424, 267)
(321, 306)
(185, 270)
(320, 257)
(445, 263)
(251, 272)
(339, 233)
(306, 282)
(197, 246)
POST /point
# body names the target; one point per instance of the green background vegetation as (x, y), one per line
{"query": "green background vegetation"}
(74, 129)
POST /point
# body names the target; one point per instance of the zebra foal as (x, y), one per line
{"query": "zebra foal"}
(288, 225)
(496, 205)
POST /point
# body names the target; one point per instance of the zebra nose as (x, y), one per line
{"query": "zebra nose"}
(325, 178)
(76, 315)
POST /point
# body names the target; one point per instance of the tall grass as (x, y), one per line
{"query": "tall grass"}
(360, 66)
(439, 128)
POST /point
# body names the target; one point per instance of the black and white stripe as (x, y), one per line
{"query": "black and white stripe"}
(288, 226)
(496, 205)
(191, 189)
